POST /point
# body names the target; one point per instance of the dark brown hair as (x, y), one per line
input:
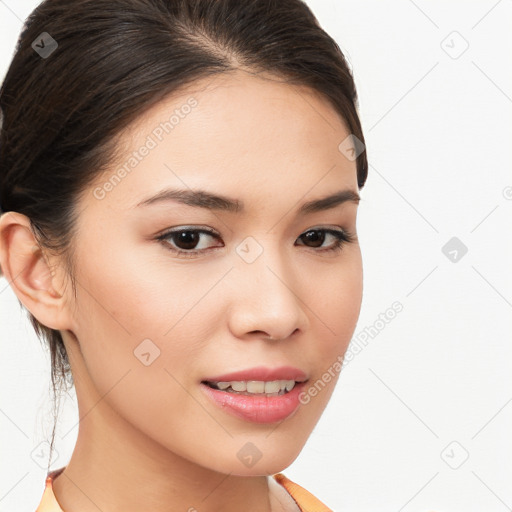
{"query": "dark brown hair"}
(112, 60)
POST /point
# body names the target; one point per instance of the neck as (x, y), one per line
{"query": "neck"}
(114, 468)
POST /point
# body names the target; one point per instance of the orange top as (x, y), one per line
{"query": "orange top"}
(304, 499)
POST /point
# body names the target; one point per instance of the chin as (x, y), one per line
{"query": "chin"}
(258, 458)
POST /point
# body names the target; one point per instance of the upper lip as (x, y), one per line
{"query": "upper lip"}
(262, 373)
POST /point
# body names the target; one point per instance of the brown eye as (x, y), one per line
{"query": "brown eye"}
(316, 237)
(185, 241)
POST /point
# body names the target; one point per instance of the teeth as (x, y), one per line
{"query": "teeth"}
(257, 386)
(239, 386)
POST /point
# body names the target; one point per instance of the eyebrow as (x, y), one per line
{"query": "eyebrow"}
(207, 200)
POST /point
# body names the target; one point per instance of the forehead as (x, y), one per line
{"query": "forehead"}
(233, 133)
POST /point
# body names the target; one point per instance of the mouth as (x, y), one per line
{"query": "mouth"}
(256, 401)
(254, 387)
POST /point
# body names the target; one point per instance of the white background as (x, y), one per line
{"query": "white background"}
(434, 386)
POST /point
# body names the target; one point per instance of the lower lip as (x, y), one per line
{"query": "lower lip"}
(257, 408)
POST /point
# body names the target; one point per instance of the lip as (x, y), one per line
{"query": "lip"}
(257, 408)
(262, 373)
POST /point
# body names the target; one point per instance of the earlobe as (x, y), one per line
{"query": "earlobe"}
(29, 273)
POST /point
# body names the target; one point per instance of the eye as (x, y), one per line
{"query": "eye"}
(317, 237)
(184, 241)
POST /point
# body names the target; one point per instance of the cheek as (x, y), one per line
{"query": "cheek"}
(338, 311)
(136, 295)
(139, 310)
(137, 342)
(336, 305)
(336, 299)
(351, 290)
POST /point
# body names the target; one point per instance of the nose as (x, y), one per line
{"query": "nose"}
(266, 297)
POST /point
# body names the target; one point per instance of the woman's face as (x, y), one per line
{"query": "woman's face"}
(150, 325)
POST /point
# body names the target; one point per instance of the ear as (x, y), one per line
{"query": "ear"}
(29, 273)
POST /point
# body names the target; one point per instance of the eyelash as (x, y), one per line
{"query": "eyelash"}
(342, 237)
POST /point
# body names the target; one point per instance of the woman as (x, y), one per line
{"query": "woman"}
(179, 188)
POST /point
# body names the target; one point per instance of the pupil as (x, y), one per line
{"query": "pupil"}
(188, 238)
(312, 236)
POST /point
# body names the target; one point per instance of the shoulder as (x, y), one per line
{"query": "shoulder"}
(48, 501)
(304, 499)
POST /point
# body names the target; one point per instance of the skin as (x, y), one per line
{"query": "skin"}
(149, 431)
